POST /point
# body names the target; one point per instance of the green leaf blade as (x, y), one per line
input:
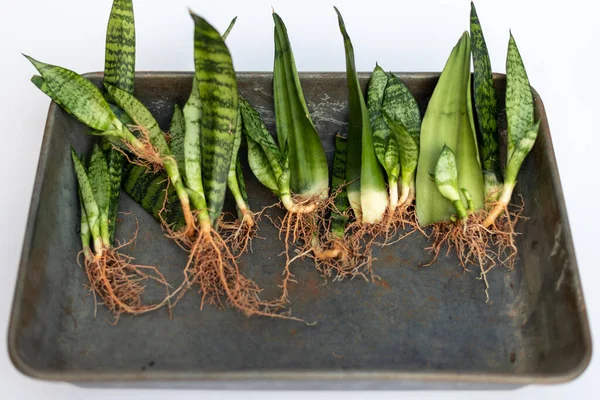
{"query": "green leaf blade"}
(309, 172)
(217, 88)
(119, 60)
(485, 107)
(447, 122)
(371, 183)
(77, 95)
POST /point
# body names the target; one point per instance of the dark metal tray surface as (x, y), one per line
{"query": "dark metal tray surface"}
(416, 326)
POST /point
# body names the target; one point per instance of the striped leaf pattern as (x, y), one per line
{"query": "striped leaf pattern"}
(519, 99)
(218, 95)
(77, 95)
(484, 95)
(119, 59)
(339, 218)
(148, 190)
(177, 132)
(87, 196)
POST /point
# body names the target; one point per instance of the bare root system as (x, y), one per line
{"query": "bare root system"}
(238, 233)
(120, 284)
(474, 244)
(213, 267)
(146, 156)
(399, 225)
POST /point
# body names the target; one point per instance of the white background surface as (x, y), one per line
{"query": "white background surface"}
(559, 41)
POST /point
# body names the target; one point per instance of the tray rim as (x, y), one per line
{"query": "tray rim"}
(303, 375)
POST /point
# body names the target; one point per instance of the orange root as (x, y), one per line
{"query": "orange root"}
(213, 267)
(120, 284)
(147, 155)
(238, 234)
(475, 244)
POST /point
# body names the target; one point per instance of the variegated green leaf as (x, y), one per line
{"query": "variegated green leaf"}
(519, 99)
(446, 179)
(140, 115)
(148, 190)
(260, 166)
(401, 106)
(235, 186)
(339, 218)
(177, 132)
(255, 129)
(192, 112)
(521, 149)
(84, 228)
(77, 95)
(87, 196)
(385, 145)
(217, 89)
(119, 60)
(485, 107)
(115, 160)
(408, 149)
(99, 178)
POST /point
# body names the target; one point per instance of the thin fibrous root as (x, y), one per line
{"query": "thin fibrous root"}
(238, 234)
(338, 259)
(297, 230)
(474, 244)
(120, 284)
(398, 225)
(147, 155)
(213, 267)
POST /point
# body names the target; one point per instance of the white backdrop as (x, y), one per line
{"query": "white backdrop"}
(559, 41)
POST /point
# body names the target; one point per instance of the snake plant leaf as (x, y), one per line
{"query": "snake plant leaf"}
(229, 28)
(386, 148)
(408, 153)
(255, 129)
(141, 116)
(373, 201)
(401, 106)
(177, 132)
(446, 175)
(402, 115)
(217, 89)
(87, 196)
(519, 99)
(486, 109)
(339, 218)
(261, 167)
(446, 180)
(99, 178)
(119, 59)
(77, 95)
(149, 189)
(522, 148)
(309, 172)
(447, 122)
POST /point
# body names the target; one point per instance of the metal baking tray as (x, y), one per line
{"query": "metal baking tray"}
(416, 327)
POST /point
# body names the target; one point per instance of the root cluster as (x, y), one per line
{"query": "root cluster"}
(120, 284)
(213, 267)
(239, 232)
(475, 245)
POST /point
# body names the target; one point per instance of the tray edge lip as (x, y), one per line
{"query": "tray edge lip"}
(22, 366)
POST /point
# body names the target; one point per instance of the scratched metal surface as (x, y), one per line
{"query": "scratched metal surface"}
(415, 325)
